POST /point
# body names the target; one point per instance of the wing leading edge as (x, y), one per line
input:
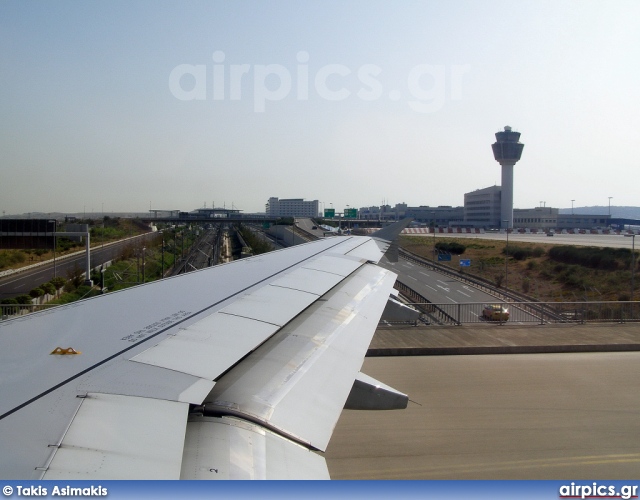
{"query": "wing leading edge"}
(237, 371)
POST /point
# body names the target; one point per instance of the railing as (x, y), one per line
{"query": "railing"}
(472, 312)
(530, 312)
(10, 311)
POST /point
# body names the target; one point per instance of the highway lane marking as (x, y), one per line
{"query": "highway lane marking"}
(424, 274)
(60, 262)
(444, 288)
(415, 279)
(452, 300)
(22, 277)
(430, 470)
(465, 294)
(430, 287)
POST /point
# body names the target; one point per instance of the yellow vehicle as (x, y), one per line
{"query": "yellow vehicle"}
(495, 312)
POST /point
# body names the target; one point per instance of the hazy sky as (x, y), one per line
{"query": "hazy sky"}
(177, 104)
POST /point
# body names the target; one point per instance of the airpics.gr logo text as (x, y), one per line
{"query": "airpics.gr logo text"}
(595, 490)
(427, 85)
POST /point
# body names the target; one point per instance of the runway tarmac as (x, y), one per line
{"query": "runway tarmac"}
(520, 416)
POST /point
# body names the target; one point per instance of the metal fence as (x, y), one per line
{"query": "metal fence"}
(472, 312)
(530, 312)
(10, 311)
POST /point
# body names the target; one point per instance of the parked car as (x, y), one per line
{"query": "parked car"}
(495, 312)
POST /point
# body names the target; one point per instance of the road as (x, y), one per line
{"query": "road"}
(434, 286)
(285, 237)
(523, 416)
(439, 288)
(23, 282)
(595, 240)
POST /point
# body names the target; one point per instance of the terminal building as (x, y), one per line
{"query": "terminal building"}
(292, 207)
(483, 209)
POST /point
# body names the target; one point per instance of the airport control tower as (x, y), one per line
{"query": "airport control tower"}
(507, 150)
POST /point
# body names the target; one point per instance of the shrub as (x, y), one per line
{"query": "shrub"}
(58, 281)
(452, 247)
(522, 253)
(76, 277)
(538, 252)
(48, 288)
(24, 299)
(8, 310)
(595, 258)
(36, 292)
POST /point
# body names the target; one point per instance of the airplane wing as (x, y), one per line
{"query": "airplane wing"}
(239, 371)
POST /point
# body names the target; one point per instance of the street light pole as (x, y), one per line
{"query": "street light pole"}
(633, 259)
(433, 219)
(506, 259)
(572, 206)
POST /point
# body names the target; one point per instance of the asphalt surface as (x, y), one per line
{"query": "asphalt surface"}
(525, 416)
(436, 287)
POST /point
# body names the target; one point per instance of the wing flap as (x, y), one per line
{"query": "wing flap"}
(122, 437)
(228, 448)
(298, 381)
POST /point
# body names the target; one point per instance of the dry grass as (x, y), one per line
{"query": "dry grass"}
(539, 277)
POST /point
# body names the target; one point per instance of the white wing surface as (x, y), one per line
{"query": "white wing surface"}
(239, 371)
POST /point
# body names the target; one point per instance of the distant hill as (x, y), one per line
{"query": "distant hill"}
(623, 212)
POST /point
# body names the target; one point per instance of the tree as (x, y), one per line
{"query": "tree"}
(48, 288)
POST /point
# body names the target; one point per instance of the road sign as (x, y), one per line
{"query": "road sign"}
(22, 234)
(465, 262)
(329, 212)
(350, 213)
(444, 257)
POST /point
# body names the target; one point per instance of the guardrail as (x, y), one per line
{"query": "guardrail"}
(539, 313)
(478, 282)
